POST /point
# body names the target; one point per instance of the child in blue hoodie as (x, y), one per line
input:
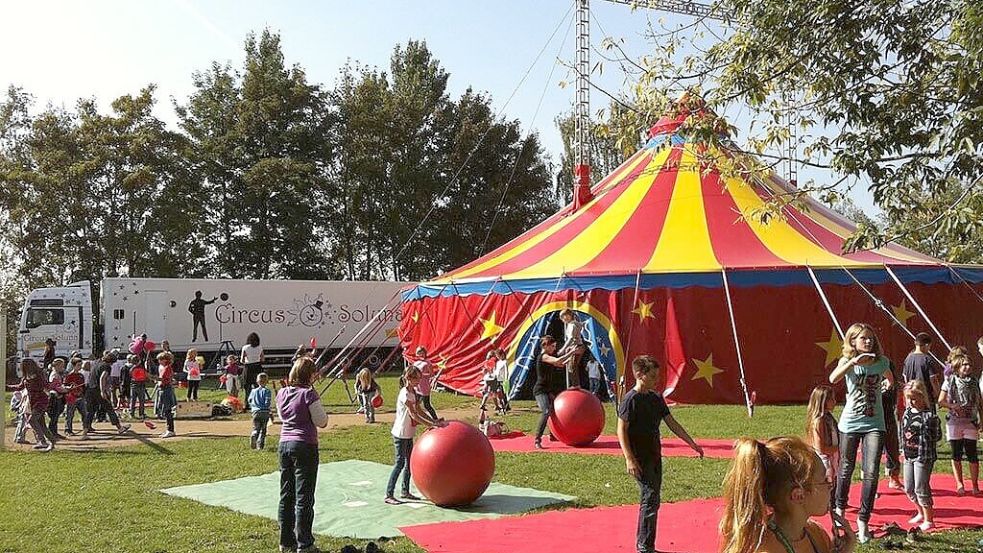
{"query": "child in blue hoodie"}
(260, 399)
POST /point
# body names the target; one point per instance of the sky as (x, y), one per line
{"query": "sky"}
(62, 51)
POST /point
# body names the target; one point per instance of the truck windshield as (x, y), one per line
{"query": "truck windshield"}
(38, 317)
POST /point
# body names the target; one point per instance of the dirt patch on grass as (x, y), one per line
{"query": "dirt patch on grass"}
(106, 435)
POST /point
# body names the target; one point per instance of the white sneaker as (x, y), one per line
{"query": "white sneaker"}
(863, 533)
(167, 434)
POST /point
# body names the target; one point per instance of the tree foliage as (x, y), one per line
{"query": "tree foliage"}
(268, 175)
(882, 93)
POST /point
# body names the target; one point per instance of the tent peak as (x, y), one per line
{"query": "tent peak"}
(690, 111)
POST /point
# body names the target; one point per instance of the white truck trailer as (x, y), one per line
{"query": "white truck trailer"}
(202, 314)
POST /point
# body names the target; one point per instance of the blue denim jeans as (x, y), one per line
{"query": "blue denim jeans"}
(404, 449)
(872, 447)
(258, 438)
(79, 406)
(138, 393)
(650, 488)
(298, 480)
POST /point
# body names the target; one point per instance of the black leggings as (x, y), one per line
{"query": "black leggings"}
(425, 403)
(959, 446)
(193, 389)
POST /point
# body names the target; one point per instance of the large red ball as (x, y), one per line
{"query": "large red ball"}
(453, 465)
(578, 417)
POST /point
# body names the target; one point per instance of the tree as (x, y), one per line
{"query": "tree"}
(95, 195)
(423, 176)
(262, 147)
(888, 93)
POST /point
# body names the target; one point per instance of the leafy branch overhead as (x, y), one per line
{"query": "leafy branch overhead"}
(886, 94)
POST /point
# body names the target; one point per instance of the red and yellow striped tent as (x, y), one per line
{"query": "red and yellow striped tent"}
(669, 258)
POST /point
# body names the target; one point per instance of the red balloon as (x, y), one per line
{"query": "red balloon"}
(453, 465)
(149, 346)
(377, 401)
(578, 417)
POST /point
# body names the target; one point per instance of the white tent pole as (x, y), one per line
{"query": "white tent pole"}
(918, 307)
(737, 343)
(829, 308)
(880, 304)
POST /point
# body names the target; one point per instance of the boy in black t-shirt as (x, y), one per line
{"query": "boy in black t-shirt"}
(639, 415)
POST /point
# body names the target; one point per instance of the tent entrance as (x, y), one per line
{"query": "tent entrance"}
(526, 350)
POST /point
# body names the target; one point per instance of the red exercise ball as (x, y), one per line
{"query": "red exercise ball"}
(578, 417)
(453, 465)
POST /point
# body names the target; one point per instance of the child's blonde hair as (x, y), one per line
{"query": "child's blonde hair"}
(301, 372)
(814, 413)
(364, 377)
(192, 353)
(262, 379)
(917, 388)
(421, 351)
(760, 478)
(567, 312)
(957, 361)
(849, 352)
(409, 372)
(58, 363)
(165, 356)
(956, 352)
(232, 359)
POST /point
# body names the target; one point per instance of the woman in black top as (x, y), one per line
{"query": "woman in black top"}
(543, 389)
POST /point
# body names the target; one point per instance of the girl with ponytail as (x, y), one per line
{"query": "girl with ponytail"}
(772, 490)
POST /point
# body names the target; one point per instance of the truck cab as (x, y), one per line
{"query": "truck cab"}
(63, 314)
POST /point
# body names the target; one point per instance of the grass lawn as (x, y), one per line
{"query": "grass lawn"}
(336, 400)
(109, 501)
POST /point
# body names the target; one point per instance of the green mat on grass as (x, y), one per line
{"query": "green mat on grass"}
(348, 501)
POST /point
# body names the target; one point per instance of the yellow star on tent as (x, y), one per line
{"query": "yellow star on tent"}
(643, 310)
(706, 370)
(392, 333)
(833, 348)
(441, 365)
(415, 316)
(901, 313)
(490, 327)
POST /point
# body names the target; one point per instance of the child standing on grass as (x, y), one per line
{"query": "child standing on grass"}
(426, 382)
(165, 382)
(367, 389)
(920, 430)
(75, 381)
(138, 388)
(821, 432)
(36, 388)
(193, 370)
(232, 375)
(408, 414)
(961, 396)
(772, 490)
(641, 412)
(259, 400)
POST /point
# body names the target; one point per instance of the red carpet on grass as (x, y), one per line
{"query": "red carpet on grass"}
(684, 527)
(608, 445)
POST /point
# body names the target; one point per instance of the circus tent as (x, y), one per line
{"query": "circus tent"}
(668, 258)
